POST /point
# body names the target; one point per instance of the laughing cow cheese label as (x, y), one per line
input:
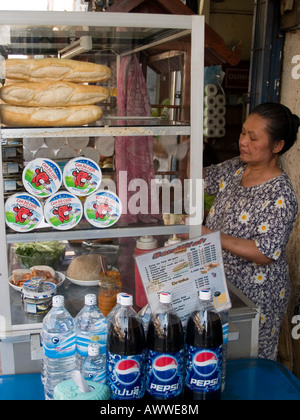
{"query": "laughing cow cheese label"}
(23, 212)
(82, 176)
(102, 209)
(42, 177)
(63, 210)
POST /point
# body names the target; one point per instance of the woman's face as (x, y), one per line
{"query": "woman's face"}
(254, 143)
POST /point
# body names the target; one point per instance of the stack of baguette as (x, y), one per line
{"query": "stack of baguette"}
(49, 92)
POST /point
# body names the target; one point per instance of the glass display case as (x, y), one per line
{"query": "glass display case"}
(106, 39)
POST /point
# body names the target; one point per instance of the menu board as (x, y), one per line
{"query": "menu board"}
(183, 269)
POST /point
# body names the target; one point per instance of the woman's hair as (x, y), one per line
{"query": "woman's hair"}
(282, 124)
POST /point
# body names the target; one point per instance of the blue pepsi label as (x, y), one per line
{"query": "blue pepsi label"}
(203, 369)
(125, 376)
(165, 374)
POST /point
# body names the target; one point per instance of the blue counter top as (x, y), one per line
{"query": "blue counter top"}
(246, 379)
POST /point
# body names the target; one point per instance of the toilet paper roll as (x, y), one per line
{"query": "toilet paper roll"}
(209, 122)
(210, 89)
(209, 132)
(210, 101)
(209, 112)
(220, 132)
(220, 111)
(220, 122)
(220, 100)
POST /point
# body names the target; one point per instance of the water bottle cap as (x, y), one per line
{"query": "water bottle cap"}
(146, 242)
(205, 294)
(165, 297)
(90, 299)
(126, 299)
(93, 349)
(119, 297)
(58, 301)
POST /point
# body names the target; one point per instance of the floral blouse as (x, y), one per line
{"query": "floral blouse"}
(266, 214)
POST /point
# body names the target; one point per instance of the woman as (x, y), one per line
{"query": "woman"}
(255, 210)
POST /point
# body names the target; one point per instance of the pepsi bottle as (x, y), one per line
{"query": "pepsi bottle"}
(204, 339)
(165, 352)
(125, 357)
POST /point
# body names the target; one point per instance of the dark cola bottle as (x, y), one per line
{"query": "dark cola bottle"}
(204, 339)
(165, 353)
(125, 356)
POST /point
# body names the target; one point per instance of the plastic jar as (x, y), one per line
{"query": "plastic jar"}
(143, 245)
(37, 296)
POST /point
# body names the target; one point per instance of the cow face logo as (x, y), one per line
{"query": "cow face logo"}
(81, 178)
(101, 209)
(22, 214)
(41, 178)
(63, 212)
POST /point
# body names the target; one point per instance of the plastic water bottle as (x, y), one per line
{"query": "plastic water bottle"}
(94, 366)
(113, 311)
(59, 344)
(204, 340)
(165, 352)
(91, 325)
(125, 354)
(225, 328)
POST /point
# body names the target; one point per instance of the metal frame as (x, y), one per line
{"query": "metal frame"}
(12, 333)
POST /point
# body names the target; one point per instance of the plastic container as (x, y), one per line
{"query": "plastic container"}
(59, 344)
(63, 210)
(37, 296)
(42, 177)
(91, 326)
(82, 176)
(173, 240)
(102, 209)
(165, 352)
(94, 366)
(126, 353)
(23, 212)
(143, 245)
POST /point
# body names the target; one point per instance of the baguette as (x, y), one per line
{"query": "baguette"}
(52, 94)
(56, 69)
(21, 116)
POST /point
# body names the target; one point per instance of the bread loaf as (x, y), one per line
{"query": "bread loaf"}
(52, 94)
(43, 69)
(20, 116)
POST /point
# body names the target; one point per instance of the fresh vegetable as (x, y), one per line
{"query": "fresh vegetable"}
(39, 253)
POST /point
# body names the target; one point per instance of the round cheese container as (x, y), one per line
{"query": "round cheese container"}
(23, 212)
(42, 177)
(37, 296)
(102, 209)
(63, 210)
(82, 176)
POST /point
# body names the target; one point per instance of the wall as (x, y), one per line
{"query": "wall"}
(290, 96)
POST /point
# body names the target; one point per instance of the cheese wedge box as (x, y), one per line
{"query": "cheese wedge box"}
(82, 176)
(42, 177)
(23, 212)
(102, 209)
(63, 210)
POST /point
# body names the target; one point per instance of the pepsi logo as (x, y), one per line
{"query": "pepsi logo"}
(205, 362)
(165, 368)
(127, 371)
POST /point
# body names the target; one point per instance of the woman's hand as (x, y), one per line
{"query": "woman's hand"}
(205, 230)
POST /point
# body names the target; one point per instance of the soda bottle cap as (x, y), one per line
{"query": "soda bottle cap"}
(165, 297)
(58, 301)
(93, 349)
(126, 299)
(205, 294)
(90, 299)
(146, 242)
